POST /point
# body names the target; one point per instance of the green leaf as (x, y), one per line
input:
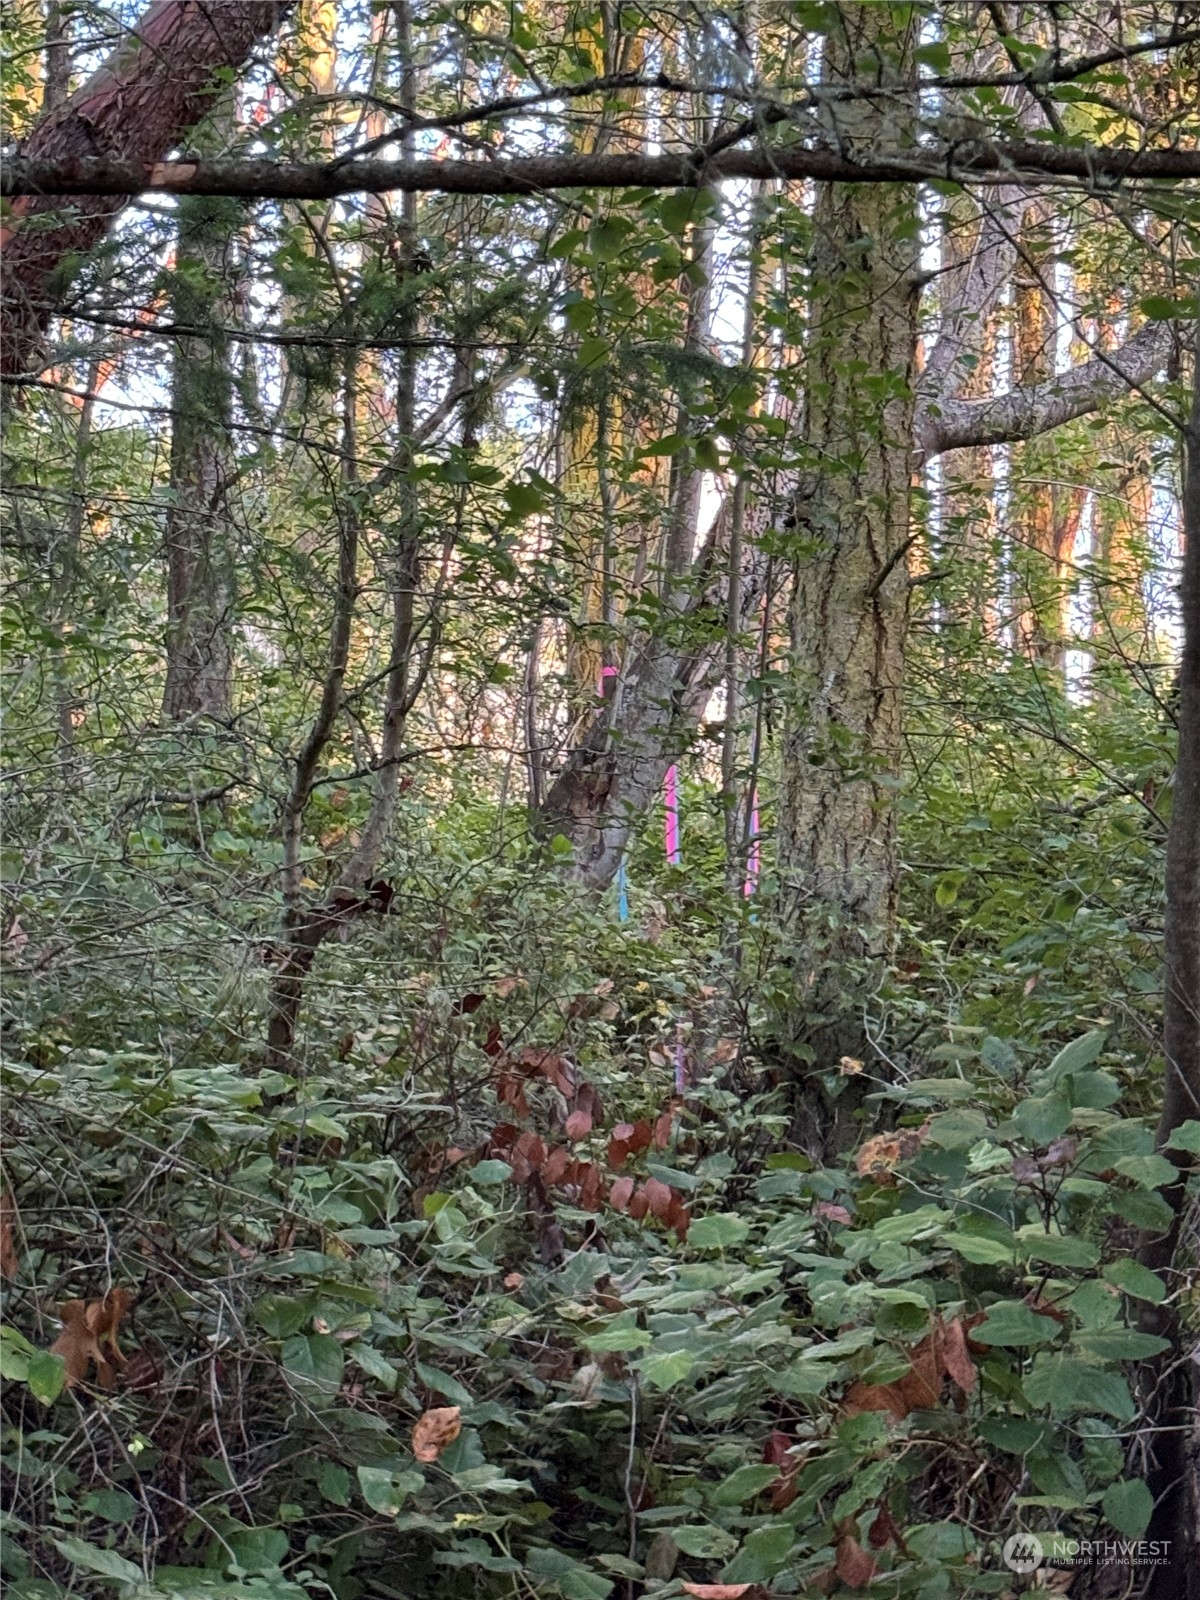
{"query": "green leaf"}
(744, 1484)
(1128, 1506)
(280, 1315)
(594, 352)
(15, 1352)
(46, 1376)
(316, 1359)
(1056, 1248)
(1064, 1384)
(606, 237)
(489, 1172)
(1148, 1172)
(386, 1490)
(92, 1559)
(706, 1541)
(979, 1249)
(719, 1231)
(114, 1505)
(1186, 1137)
(334, 1482)
(677, 210)
(1042, 1118)
(259, 1549)
(708, 457)
(1145, 1208)
(1012, 1322)
(580, 1584)
(1078, 1054)
(1119, 1344)
(665, 1368)
(621, 1334)
(1132, 1278)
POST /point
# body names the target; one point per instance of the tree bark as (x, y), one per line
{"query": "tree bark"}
(201, 560)
(838, 858)
(132, 110)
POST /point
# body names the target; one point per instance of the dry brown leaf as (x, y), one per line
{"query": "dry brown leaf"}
(723, 1591)
(850, 1066)
(87, 1329)
(435, 1431)
(854, 1566)
(956, 1358)
(10, 1257)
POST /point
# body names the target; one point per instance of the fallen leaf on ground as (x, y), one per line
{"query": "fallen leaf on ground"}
(435, 1431)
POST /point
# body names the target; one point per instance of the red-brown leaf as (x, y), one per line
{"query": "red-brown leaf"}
(641, 1136)
(638, 1205)
(591, 1189)
(10, 1259)
(579, 1125)
(663, 1124)
(659, 1197)
(556, 1165)
(620, 1193)
(854, 1566)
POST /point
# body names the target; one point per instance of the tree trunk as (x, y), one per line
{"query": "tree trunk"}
(1171, 1422)
(200, 536)
(842, 745)
(134, 108)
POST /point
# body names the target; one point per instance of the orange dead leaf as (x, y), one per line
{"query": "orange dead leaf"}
(513, 1280)
(87, 1329)
(879, 1157)
(435, 1431)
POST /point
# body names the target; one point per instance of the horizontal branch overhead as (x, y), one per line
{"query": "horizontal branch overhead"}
(302, 180)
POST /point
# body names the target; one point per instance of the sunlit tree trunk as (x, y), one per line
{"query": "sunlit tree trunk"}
(841, 753)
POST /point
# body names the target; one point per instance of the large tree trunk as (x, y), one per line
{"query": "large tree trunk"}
(134, 108)
(838, 857)
(200, 535)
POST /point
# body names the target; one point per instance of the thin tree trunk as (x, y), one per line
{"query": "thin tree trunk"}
(842, 745)
(1171, 1423)
(134, 108)
(200, 538)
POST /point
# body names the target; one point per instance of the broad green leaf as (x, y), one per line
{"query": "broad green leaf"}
(259, 1549)
(1148, 1172)
(744, 1484)
(46, 1377)
(665, 1368)
(316, 1359)
(1056, 1248)
(1042, 1118)
(1078, 1054)
(1119, 1344)
(706, 1541)
(385, 1490)
(93, 1559)
(1132, 1278)
(721, 1231)
(1012, 1322)
(979, 1249)
(1065, 1384)
(1186, 1137)
(1128, 1506)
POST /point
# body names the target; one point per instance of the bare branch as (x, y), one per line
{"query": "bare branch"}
(1025, 412)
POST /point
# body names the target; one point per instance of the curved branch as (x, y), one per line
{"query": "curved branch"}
(1024, 413)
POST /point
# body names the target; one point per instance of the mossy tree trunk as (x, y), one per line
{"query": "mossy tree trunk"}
(838, 855)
